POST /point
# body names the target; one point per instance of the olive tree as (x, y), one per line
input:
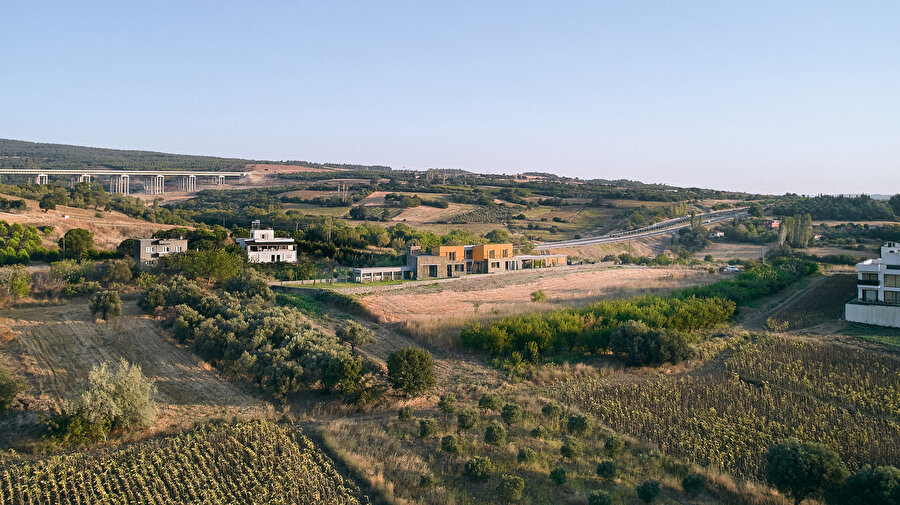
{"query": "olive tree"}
(411, 370)
(106, 304)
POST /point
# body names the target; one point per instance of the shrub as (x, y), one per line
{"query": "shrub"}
(355, 334)
(495, 434)
(613, 445)
(106, 304)
(120, 395)
(526, 455)
(511, 487)
(607, 469)
(599, 498)
(540, 432)
(800, 469)
(552, 411)
(648, 491)
(511, 414)
(571, 449)
(428, 427)
(579, 424)
(10, 387)
(869, 486)
(249, 283)
(694, 484)
(539, 296)
(478, 468)
(405, 413)
(558, 475)
(642, 346)
(411, 370)
(450, 443)
(447, 404)
(426, 480)
(467, 419)
(490, 401)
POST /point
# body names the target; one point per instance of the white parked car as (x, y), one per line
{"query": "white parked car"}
(732, 268)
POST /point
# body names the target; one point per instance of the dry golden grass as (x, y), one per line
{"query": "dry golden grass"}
(434, 314)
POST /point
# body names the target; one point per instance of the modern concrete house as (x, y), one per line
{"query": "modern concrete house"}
(878, 290)
(264, 247)
(148, 250)
(456, 261)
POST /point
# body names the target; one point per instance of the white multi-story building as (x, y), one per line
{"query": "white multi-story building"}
(878, 290)
(264, 247)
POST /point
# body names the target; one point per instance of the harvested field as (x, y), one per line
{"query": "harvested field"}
(647, 246)
(724, 251)
(428, 214)
(109, 229)
(306, 194)
(434, 313)
(56, 347)
(840, 251)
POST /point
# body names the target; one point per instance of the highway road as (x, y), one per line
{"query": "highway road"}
(661, 228)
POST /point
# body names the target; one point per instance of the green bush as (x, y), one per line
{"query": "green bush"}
(428, 428)
(479, 468)
(511, 414)
(450, 443)
(579, 424)
(490, 401)
(558, 475)
(613, 445)
(694, 484)
(599, 498)
(10, 387)
(648, 491)
(527, 455)
(106, 304)
(552, 411)
(355, 334)
(571, 449)
(411, 370)
(467, 419)
(607, 469)
(800, 469)
(405, 413)
(447, 404)
(495, 434)
(511, 488)
(869, 486)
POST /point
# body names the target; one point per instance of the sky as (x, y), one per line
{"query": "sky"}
(760, 96)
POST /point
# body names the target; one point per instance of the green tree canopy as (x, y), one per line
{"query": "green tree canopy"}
(411, 370)
(800, 469)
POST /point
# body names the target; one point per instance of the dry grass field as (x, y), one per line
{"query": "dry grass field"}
(56, 346)
(434, 313)
(109, 228)
(724, 251)
(647, 246)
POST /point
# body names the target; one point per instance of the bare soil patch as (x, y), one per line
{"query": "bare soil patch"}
(57, 346)
(646, 246)
(725, 251)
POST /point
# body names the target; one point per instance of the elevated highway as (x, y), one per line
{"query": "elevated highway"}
(120, 180)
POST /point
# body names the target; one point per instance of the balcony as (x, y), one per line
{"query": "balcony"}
(866, 282)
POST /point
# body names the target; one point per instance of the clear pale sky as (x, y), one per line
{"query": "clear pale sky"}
(765, 96)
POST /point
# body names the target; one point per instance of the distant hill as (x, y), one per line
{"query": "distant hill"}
(22, 154)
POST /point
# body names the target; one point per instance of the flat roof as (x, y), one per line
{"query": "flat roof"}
(372, 270)
(537, 256)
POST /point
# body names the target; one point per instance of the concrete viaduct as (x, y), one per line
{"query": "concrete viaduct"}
(120, 180)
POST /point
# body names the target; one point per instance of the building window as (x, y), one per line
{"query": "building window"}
(178, 248)
(468, 254)
(892, 297)
(491, 254)
(892, 281)
(165, 249)
(506, 253)
(870, 295)
(870, 277)
(432, 270)
(452, 255)
(149, 249)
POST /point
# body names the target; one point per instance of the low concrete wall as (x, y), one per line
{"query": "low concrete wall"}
(880, 315)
